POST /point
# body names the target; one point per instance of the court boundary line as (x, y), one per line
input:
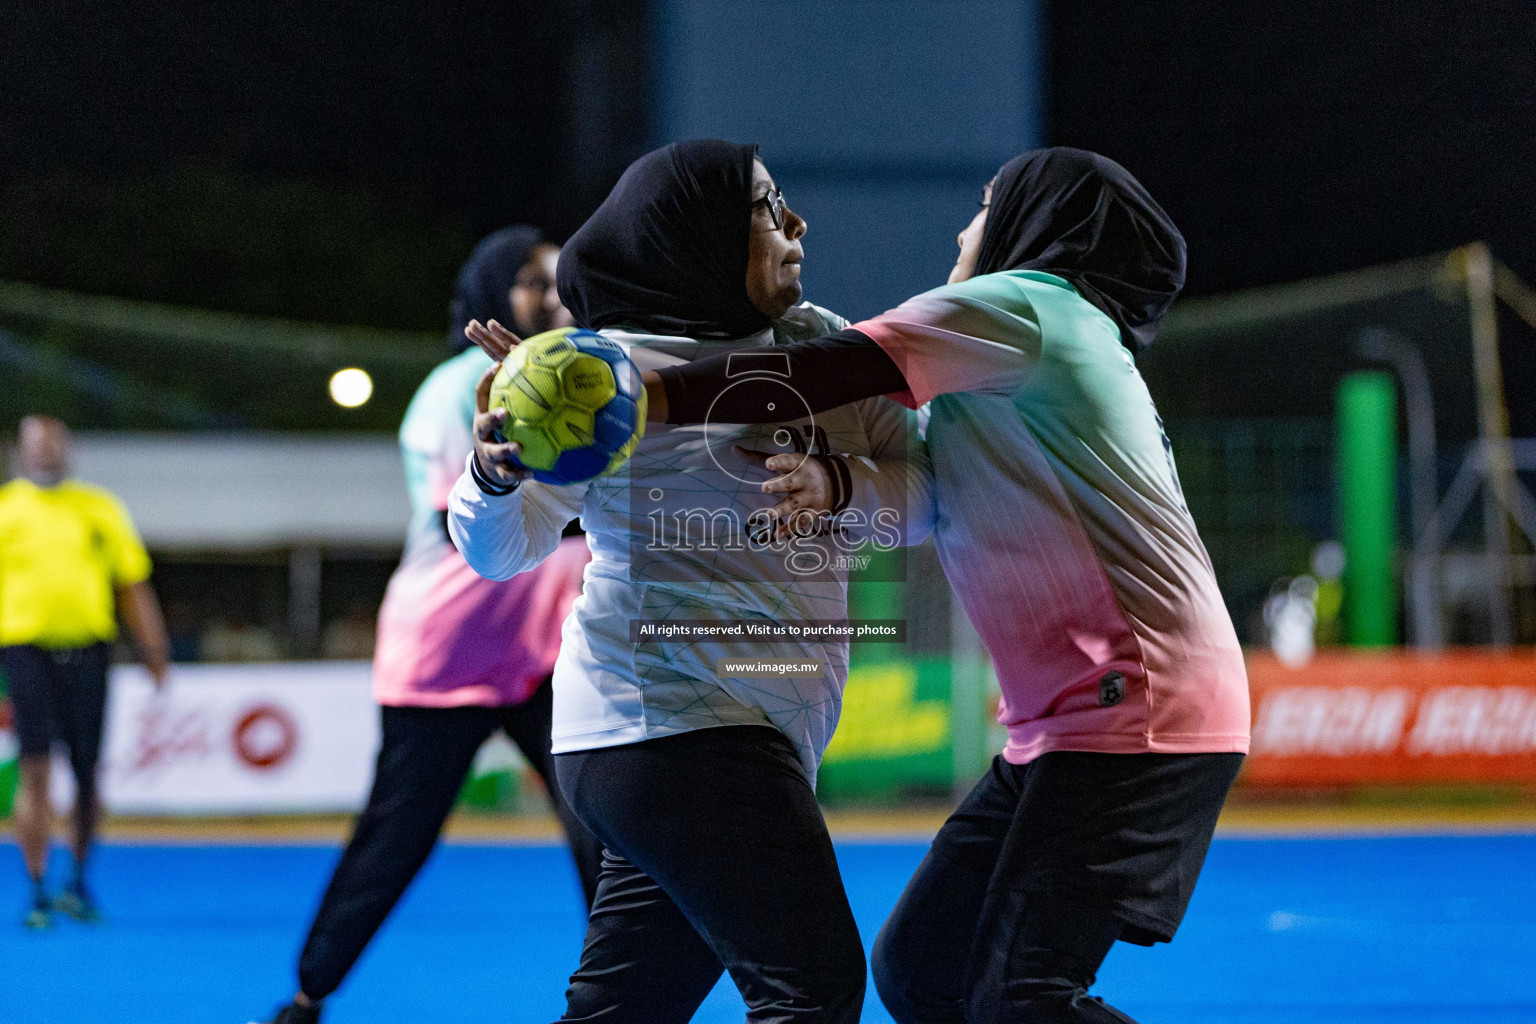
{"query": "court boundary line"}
(1241, 822)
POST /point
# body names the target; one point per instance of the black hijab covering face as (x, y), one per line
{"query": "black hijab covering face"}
(1083, 217)
(667, 250)
(480, 291)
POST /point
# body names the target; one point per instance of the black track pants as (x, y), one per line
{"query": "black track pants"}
(715, 857)
(425, 755)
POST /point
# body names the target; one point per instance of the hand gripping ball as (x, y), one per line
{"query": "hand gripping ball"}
(574, 402)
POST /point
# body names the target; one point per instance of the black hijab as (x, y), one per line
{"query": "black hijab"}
(1083, 217)
(667, 250)
(480, 292)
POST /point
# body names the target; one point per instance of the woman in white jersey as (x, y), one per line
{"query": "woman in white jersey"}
(699, 783)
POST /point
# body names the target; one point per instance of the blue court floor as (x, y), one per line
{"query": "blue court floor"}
(1432, 930)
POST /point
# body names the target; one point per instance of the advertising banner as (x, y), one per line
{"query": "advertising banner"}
(278, 738)
(1367, 718)
(238, 739)
(301, 737)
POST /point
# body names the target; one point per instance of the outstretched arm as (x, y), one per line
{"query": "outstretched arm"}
(980, 336)
(827, 372)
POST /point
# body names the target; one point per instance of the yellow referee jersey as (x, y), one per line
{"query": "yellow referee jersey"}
(63, 552)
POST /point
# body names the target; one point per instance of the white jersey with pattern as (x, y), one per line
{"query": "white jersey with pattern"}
(670, 541)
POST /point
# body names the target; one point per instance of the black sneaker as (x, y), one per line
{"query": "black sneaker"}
(293, 1013)
(38, 918)
(77, 903)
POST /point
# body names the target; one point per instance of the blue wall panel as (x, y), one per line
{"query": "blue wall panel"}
(880, 120)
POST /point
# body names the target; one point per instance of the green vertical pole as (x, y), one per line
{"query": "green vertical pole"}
(1367, 419)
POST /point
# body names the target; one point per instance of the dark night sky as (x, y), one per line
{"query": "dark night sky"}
(1295, 139)
(322, 160)
(373, 94)
(336, 160)
(1292, 139)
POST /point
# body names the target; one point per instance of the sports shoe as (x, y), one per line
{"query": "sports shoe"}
(38, 918)
(77, 903)
(293, 1013)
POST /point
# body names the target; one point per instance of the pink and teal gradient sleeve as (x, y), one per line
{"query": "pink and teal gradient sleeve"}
(967, 337)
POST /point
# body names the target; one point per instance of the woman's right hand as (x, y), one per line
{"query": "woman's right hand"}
(494, 340)
(496, 460)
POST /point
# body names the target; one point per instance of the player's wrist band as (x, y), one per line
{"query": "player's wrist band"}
(486, 485)
(842, 480)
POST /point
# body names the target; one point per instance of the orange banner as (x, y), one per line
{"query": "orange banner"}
(1360, 718)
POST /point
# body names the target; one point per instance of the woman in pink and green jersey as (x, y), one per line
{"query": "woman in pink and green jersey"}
(1060, 521)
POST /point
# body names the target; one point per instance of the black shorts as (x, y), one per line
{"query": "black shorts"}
(1123, 834)
(1036, 875)
(58, 696)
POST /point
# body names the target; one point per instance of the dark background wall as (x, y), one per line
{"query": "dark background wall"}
(880, 119)
(1302, 138)
(336, 161)
(1298, 138)
(324, 160)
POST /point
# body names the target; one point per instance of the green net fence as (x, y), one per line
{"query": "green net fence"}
(101, 362)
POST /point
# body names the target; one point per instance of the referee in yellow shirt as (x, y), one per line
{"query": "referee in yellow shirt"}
(70, 565)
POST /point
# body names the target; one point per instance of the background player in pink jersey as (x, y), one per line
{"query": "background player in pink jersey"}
(1061, 524)
(458, 656)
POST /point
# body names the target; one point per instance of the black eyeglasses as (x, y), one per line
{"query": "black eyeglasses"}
(774, 202)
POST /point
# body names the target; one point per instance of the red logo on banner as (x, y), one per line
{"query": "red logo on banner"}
(265, 736)
(166, 735)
